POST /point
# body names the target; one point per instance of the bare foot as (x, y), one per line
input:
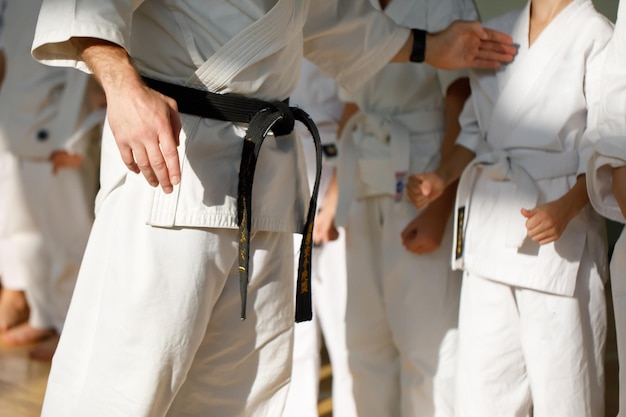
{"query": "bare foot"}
(25, 334)
(44, 351)
(13, 309)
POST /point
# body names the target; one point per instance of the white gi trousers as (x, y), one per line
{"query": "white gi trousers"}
(154, 329)
(12, 273)
(515, 341)
(47, 238)
(618, 287)
(401, 315)
(329, 319)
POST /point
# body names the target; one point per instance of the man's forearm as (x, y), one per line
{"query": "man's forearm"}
(109, 63)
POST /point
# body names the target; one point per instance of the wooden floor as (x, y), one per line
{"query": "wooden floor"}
(23, 381)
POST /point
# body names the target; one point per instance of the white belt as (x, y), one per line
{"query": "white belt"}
(521, 168)
(396, 129)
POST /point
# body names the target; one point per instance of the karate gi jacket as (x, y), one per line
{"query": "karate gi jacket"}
(249, 47)
(526, 122)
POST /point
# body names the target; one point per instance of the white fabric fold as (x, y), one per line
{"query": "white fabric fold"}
(375, 154)
(522, 168)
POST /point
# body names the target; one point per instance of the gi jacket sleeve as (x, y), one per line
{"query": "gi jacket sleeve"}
(350, 40)
(594, 86)
(61, 20)
(441, 13)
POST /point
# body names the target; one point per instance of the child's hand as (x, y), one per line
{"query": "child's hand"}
(547, 222)
(324, 229)
(64, 159)
(425, 232)
(424, 188)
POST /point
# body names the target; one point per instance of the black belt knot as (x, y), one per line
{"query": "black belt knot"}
(262, 117)
(285, 118)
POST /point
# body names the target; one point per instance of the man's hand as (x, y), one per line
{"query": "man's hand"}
(145, 123)
(424, 188)
(466, 44)
(63, 159)
(146, 126)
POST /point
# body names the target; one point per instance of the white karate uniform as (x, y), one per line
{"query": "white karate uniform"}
(318, 95)
(7, 167)
(163, 336)
(12, 205)
(402, 308)
(532, 316)
(48, 215)
(609, 153)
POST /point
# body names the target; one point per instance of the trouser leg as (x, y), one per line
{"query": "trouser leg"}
(372, 355)
(618, 287)
(154, 322)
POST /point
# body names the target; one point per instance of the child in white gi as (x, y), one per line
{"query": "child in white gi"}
(47, 122)
(606, 176)
(318, 94)
(13, 305)
(402, 304)
(532, 315)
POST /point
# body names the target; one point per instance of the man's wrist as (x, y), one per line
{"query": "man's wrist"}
(418, 52)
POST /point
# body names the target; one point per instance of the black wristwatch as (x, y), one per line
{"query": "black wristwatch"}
(418, 54)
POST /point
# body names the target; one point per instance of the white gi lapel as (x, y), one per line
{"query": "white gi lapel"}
(258, 41)
(517, 86)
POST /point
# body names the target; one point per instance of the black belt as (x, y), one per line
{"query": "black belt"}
(262, 117)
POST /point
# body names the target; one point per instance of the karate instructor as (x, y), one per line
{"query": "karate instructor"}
(155, 325)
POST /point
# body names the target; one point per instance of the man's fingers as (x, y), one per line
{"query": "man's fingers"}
(159, 167)
(493, 54)
(175, 121)
(170, 153)
(145, 166)
(129, 159)
(499, 37)
(505, 50)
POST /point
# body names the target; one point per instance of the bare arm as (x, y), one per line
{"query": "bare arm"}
(463, 44)
(325, 229)
(145, 123)
(349, 110)
(425, 233)
(457, 94)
